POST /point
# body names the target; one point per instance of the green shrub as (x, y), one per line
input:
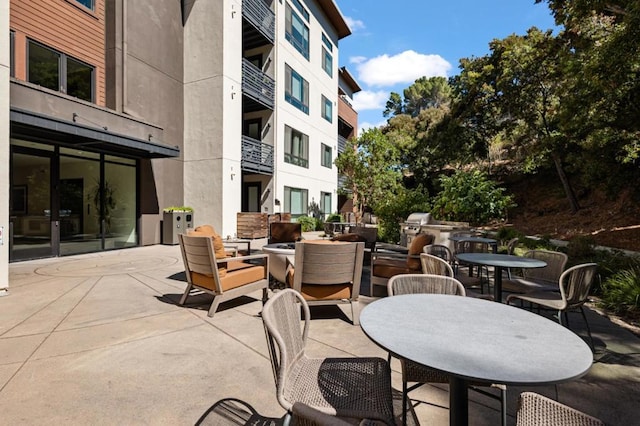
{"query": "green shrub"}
(308, 223)
(471, 197)
(395, 208)
(621, 292)
(334, 217)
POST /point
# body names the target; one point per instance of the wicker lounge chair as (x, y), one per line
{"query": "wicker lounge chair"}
(414, 372)
(328, 273)
(225, 278)
(536, 410)
(304, 415)
(538, 278)
(435, 265)
(354, 388)
(575, 284)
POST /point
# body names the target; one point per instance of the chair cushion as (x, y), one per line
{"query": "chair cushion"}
(387, 268)
(417, 245)
(216, 240)
(352, 238)
(312, 292)
(239, 274)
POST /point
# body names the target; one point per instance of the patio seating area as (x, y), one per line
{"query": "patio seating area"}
(101, 339)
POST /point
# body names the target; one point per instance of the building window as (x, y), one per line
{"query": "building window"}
(296, 147)
(57, 71)
(295, 201)
(297, 32)
(301, 8)
(12, 47)
(89, 4)
(297, 90)
(327, 58)
(325, 203)
(326, 155)
(327, 109)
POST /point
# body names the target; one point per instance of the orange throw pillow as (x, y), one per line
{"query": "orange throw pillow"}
(415, 249)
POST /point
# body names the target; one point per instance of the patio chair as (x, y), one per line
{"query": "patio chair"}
(435, 265)
(441, 251)
(535, 410)
(385, 265)
(304, 415)
(536, 279)
(467, 279)
(414, 372)
(208, 269)
(575, 284)
(511, 249)
(328, 273)
(351, 388)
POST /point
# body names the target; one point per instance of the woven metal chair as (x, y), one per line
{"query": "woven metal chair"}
(435, 265)
(575, 284)
(441, 251)
(535, 279)
(537, 410)
(467, 279)
(355, 388)
(304, 415)
(414, 372)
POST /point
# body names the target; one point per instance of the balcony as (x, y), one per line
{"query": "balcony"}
(258, 25)
(257, 157)
(258, 87)
(342, 143)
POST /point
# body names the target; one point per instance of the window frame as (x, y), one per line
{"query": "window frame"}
(299, 158)
(289, 96)
(324, 151)
(82, 4)
(327, 62)
(63, 70)
(12, 54)
(301, 44)
(304, 196)
(327, 109)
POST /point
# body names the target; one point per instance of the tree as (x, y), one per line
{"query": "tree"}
(370, 166)
(424, 93)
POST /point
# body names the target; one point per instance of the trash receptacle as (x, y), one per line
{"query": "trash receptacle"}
(175, 222)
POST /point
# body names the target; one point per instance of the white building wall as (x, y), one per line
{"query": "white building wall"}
(4, 146)
(315, 179)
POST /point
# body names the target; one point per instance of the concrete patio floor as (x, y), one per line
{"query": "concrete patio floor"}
(100, 339)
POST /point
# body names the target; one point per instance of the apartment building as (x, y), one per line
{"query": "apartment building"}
(113, 110)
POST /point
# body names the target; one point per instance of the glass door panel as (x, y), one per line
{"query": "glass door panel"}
(79, 207)
(30, 206)
(120, 216)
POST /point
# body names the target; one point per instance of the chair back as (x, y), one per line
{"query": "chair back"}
(435, 265)
(550, 274)
(286, 338)
(305, 415)
(199, 258)
(439, 250)
(472, 247)
(512, 244)
(576, 282)
(535, 409)
(329, 263)
(424, 283)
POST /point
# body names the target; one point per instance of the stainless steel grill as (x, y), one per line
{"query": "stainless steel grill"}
(415, 224)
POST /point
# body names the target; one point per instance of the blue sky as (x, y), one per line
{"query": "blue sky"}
(394, 43)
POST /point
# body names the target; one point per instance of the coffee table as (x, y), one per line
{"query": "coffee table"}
(500, 261)
(475, 340)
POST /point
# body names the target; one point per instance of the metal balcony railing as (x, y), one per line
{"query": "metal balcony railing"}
(342, 143)
(261, 17)
(257, 157)
(257, 85)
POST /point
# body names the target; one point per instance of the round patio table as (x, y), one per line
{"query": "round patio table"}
(500, 261)
(475, 340)
(278, 254)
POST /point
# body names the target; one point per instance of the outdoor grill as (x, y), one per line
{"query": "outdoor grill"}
(423, 223)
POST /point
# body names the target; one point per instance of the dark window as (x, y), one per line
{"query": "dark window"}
(296, 147)
(327, 109)
(57, 71)
(327, 62)
(12, 48)
(296, 90)
(297, 32)
(325, 202)
(89, 4)
(301, 8)
(327, 156)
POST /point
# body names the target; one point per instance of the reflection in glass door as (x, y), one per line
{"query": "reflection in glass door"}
(119, 208)
(30, 204)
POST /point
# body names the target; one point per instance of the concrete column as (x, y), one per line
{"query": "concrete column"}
(5, 65)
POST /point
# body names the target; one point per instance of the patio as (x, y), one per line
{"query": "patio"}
(100, 339)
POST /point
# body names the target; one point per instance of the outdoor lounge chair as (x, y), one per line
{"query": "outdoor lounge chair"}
(353, 388)
(535, 410)
(328, 273)
(575, 284)
(414, 372)
(208, 269)
(385, 265)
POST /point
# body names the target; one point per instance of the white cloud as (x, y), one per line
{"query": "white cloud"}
(357, 59)
(405, 67)
(367, 99)
(366, 125)
(354, 24)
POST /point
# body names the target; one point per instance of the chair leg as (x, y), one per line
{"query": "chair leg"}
(185, 294)
(265, 295)
(503, 405)
(214, 306)
(405, 400)
(586, 323)
(355, 312)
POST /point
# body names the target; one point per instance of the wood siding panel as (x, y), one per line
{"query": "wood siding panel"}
(63, 25)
